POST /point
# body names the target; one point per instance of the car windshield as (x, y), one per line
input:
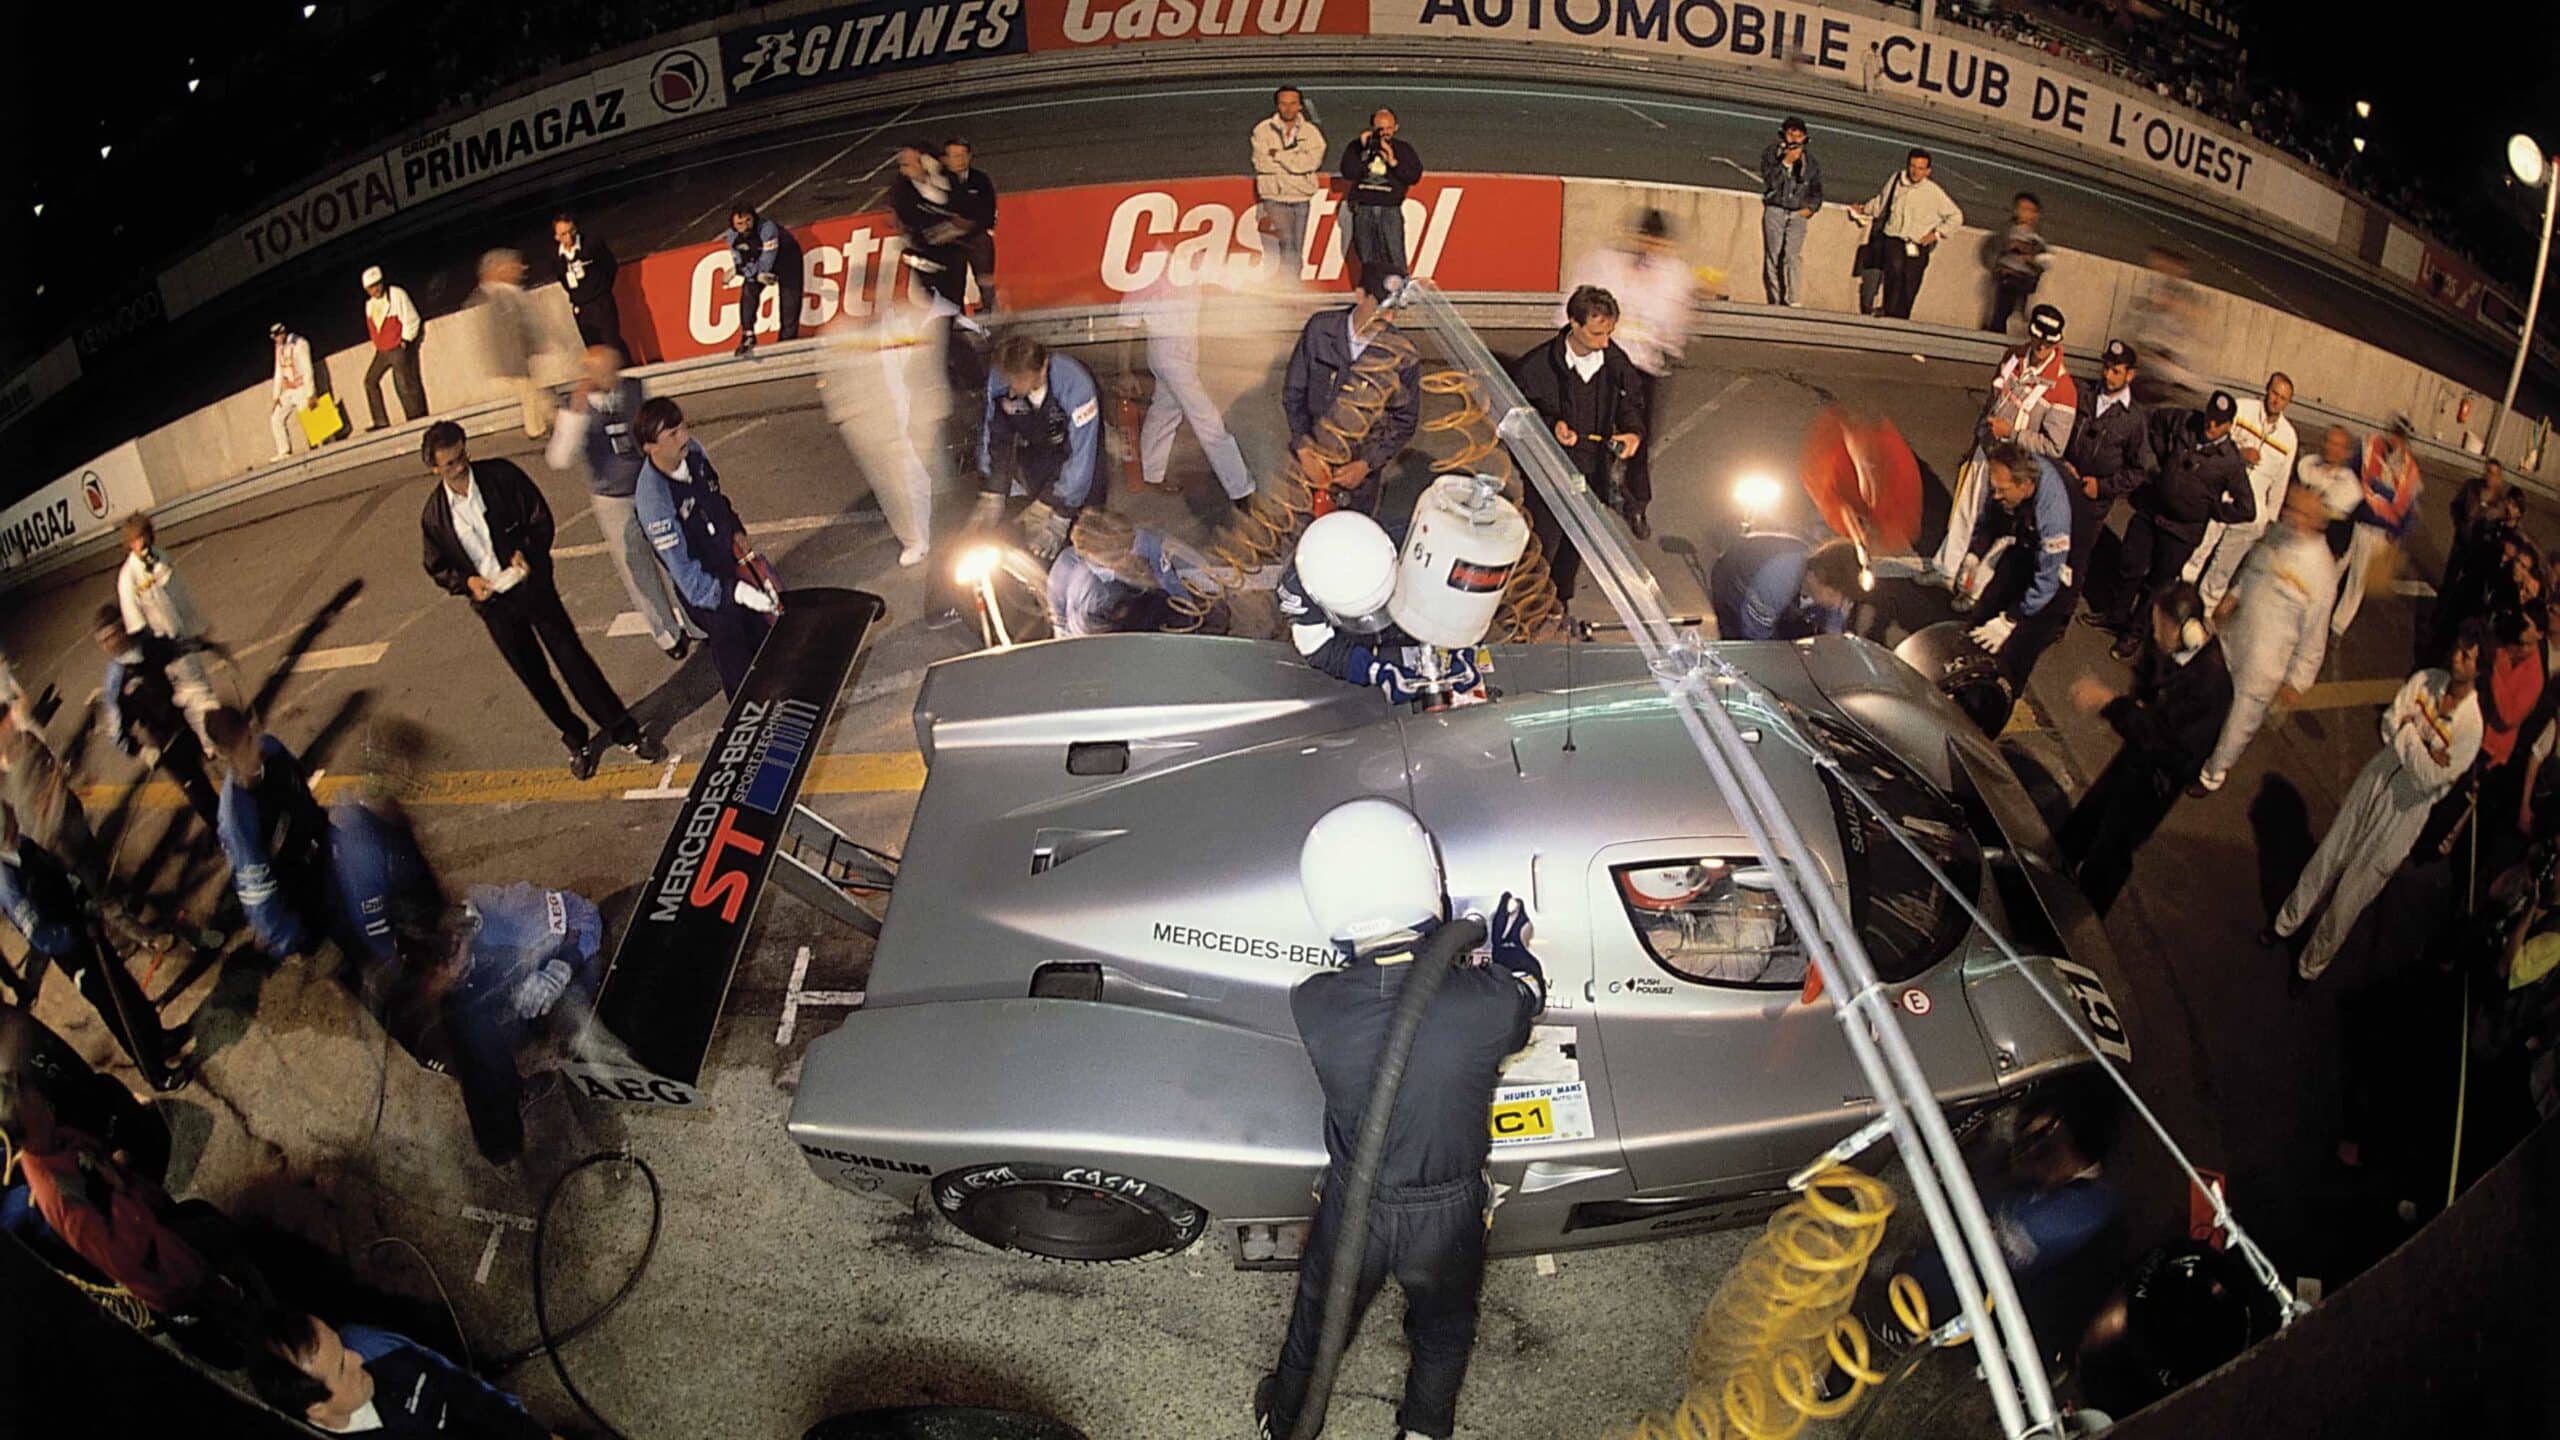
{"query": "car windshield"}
(1907, 921)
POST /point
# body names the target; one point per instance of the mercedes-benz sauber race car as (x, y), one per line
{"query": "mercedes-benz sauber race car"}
(1076, 1038)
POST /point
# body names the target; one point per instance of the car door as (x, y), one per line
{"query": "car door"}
(1725, 1081)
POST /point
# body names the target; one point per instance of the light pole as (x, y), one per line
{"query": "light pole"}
(2531, 165)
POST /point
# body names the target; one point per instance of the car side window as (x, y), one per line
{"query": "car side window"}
(1712, 920)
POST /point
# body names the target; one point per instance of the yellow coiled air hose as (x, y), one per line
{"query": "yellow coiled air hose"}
(1781, 1318)
(1530, 605)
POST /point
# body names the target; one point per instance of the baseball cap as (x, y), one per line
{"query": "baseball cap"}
(2045, 323)
(2118, 353)
(372, 276)
(2220, 406)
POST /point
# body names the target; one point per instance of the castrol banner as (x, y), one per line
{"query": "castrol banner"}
(1093, 244)
(1080, 24)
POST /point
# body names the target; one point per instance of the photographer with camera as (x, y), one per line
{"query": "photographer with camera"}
(1378, 168)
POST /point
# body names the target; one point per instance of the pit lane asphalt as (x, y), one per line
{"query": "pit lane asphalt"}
(811, 171)
(775, 1299)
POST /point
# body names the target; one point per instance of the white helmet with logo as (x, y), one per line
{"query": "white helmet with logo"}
(1347, 566)
(1369, 872)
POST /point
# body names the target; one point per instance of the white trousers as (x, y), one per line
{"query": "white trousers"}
(2359, 855)
(2370, 542)
(2218, 559)
(1179, 397)
(1970, 487)
(643, 578)
(284, 422)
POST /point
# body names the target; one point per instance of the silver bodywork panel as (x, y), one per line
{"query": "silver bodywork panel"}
(1651, 1103)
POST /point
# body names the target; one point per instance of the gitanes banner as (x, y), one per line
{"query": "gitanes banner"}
(1092, 244)
(81, 504)
(779, 56)
(1999, 87)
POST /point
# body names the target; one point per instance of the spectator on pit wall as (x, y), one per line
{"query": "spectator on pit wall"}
(1911, 214)
(1378, 168)
(291, 388)
(586, 270)
(973, 205)
(1790, 196)
(921, 201)
(392, 323)
(486, 536)
(1657, 295)
(595, 435)
(2018, 261)
(355, 1378)
(512, 336)
(762, 257)
(1289, 157)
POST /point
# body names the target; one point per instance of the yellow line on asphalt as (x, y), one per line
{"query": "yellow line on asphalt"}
(866, 773)
(2348, 694)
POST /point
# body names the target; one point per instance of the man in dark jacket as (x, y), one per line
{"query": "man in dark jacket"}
(39, 898)
(973, 203)
(586, 271)
(2181, 692)
(1591, 396)
(2200, 478)
(1790, 195)
(1372, 881)
(922, 201)
(2109, 455)
(143, 716)
(1378, 168)
(761, 254)
(486, 533)
(1324, 381)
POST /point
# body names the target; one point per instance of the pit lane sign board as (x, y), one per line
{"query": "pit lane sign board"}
(670, 976)
(784, 55)
(86, 502)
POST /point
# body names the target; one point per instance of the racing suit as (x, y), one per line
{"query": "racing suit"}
(1390, 659)
(2218, 558)
(698, 537)
(2039, 402)
(2382, 814)
(1433, 1205)
(2168, 724)
(2391, 482)
(2278, 635)
(38, 896)
(2028, 594)
(276, 839)
(1045, 444)
(1170, 314)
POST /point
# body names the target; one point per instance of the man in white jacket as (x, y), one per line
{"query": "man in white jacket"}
(291, 389)
(155, 600)
(1657, 295)
(2266, 440)
(1290, 164)
(2429, 737)
(886, 387)
(2279, 632)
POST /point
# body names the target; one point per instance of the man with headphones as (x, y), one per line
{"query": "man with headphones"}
(2181, 692)
(1371, 875)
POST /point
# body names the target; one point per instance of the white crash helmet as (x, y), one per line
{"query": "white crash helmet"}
(1369, 871)
(1347, 566)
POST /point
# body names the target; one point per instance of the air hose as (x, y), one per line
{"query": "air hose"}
(1530, 604)
(1782, 1315)
(1359, 1190)
(550, 1342)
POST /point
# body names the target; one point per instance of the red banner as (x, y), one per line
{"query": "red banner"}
(1092, 244)
(1079, 24)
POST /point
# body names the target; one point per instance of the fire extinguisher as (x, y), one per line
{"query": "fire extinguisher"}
(1126, 415)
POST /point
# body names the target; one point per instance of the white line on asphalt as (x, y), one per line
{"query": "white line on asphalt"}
(627, 624)
(1737, 167)
(343, 657)
(748, 429)
(795, 997)
(1630, 109)
(1714, 403)
(499, 1223)
(695, 224)
(666, 788)
(816, 169)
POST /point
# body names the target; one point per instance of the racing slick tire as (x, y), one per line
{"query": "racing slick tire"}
(1081, 1213)
(1946, 656)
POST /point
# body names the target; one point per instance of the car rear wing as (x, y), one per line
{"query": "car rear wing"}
(741, 825)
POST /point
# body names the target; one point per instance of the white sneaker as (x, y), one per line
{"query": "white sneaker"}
(2212, 780)
(911, 557)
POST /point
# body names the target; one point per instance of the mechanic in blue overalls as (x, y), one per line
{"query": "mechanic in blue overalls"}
(762, 254)
(701, 541)
(1115, 577)
(2018, 566)
(511, 955)
(1042, 438)
(1371, 875)
(273, 834)
(1334, 597)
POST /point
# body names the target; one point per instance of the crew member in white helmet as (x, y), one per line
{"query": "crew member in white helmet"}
(1372, 880)
(1335, 597)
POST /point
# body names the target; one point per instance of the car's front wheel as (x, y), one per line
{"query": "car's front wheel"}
(1089, 1214)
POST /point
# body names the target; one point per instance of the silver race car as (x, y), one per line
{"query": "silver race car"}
(1076, 1038)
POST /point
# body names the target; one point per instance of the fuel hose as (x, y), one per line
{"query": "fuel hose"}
(1359, 1190)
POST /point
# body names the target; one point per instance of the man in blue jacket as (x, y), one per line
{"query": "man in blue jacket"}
(762, 254)
(1324, 389)
(1042, 437)
(355, 1379)
(274, 835)
(1773, 586)
(2017, 570)
(701, 541)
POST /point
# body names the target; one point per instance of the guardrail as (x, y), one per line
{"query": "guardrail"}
(1089, 325)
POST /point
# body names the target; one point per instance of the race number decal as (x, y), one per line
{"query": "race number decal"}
(2098, 1008)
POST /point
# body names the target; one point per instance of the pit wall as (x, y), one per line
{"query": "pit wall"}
(1094, 246)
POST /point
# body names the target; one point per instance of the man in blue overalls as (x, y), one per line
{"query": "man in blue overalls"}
(701, 541)
(274, 835)
(1042, 438)
(761, 254)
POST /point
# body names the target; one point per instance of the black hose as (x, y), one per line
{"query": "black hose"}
(1359, 1190)
(1911, 1363)
(551, 1343)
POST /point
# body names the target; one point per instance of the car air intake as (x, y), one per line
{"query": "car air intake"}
(1067, 980)
(1098, 757)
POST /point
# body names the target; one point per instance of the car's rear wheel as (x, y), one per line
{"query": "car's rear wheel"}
(1088, 1214)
